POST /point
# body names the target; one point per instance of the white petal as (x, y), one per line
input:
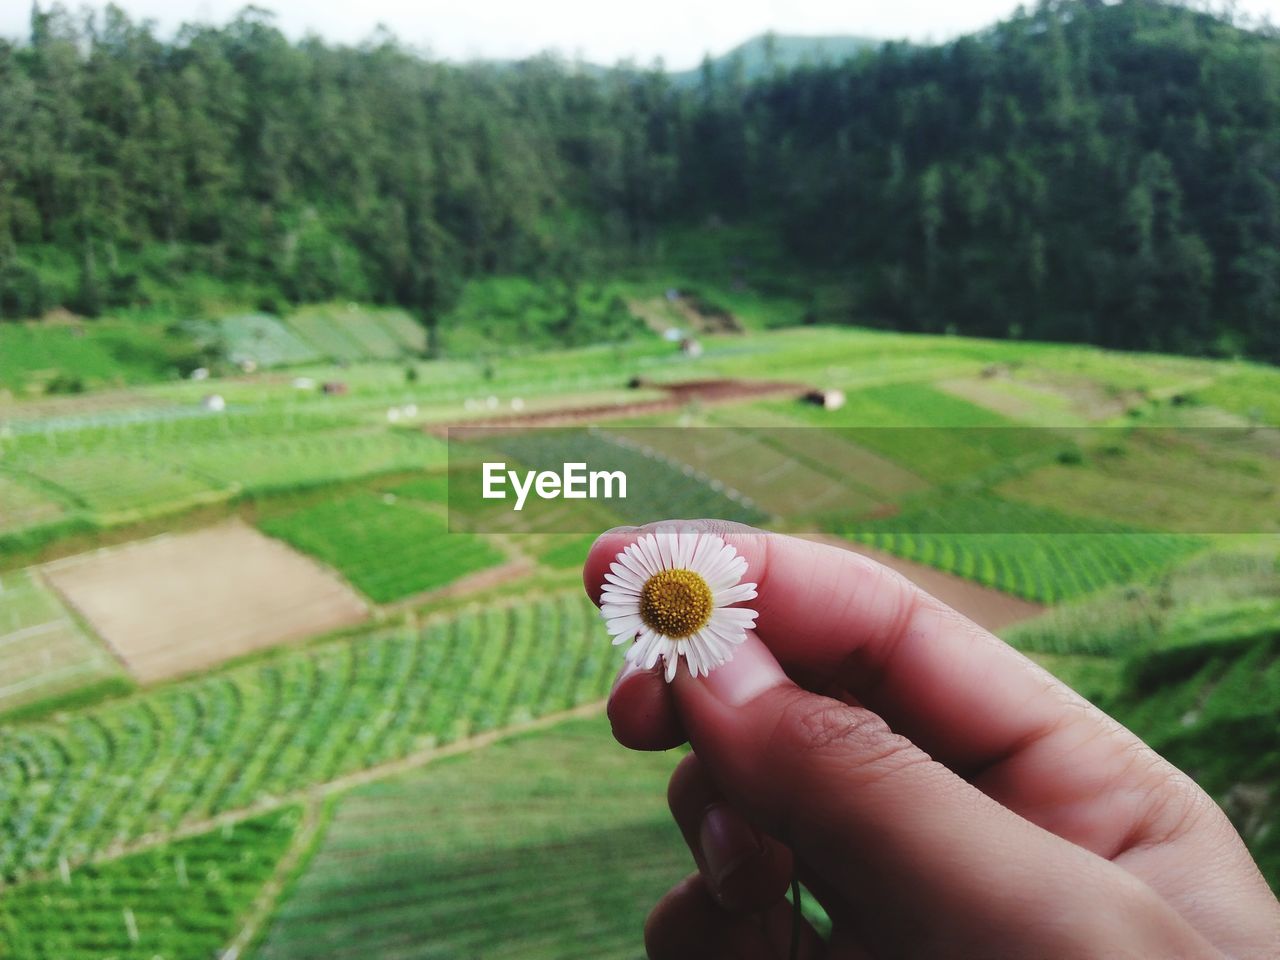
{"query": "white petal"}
(610, 609)
(702, 546)
(619, 595)
(660, 646)
(735, 594)
(728, 572)
(632, 561)
(687, 543)
(673, 663)
(731, 619)
(702, 654)
(637, 651)
(666, 541)
(622, 577)
(625, 623)
(692, 656)
(648, 548)
(726, 637)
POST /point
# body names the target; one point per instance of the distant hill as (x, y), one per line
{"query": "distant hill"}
(760, 56)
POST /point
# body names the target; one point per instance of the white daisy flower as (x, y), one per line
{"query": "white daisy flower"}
(670, 592)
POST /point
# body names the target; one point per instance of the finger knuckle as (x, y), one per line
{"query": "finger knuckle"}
(825, 736)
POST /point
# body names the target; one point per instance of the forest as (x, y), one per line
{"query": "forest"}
(1084, 171)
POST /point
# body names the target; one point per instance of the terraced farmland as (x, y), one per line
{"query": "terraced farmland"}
(485, 855)
(318, 328)
(264, 340)
(512, 877)
(253, 734)
(1028, 551)
(111, 486)
(181, 900)
(388, 548)
(43, 651)
(282, 463)
(123, 472)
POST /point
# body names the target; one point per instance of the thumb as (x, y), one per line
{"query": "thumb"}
(919, 857)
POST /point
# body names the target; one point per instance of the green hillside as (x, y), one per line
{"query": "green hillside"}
(1081, 172)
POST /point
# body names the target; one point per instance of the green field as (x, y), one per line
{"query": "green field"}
(111, 486)
(1031, 552)
(386, 881)
(184, 899)
(265, 341)
(388, 548)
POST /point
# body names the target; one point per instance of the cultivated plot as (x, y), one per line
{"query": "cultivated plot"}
(408, 871)
(178, 604)
(23, 506)
(181, 900)
(388, 547)
(117, 486)
(43, 651)
(88, 780)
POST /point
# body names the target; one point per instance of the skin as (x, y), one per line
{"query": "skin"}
(939, 793)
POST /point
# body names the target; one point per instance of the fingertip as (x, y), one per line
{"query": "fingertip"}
(751, 671)
(641, 711)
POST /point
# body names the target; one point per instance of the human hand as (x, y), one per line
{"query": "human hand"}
(942, 795)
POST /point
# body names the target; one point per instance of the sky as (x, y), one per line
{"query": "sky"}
(678, 31)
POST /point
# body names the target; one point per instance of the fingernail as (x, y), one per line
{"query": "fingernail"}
(751, 672)
(728, 841)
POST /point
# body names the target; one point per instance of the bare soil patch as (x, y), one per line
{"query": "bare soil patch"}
(984, 606)
(182, 603)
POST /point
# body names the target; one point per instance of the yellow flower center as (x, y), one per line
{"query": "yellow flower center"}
(676, 603)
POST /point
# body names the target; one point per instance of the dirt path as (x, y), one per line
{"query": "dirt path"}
(983, 605)
(264, 904)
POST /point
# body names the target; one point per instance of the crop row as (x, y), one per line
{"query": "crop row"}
(1045, 567)
(180, 900)
(182, 753)
(1029, 551)
(479, 859)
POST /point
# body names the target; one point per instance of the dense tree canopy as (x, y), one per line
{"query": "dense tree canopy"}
(1084, 171)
